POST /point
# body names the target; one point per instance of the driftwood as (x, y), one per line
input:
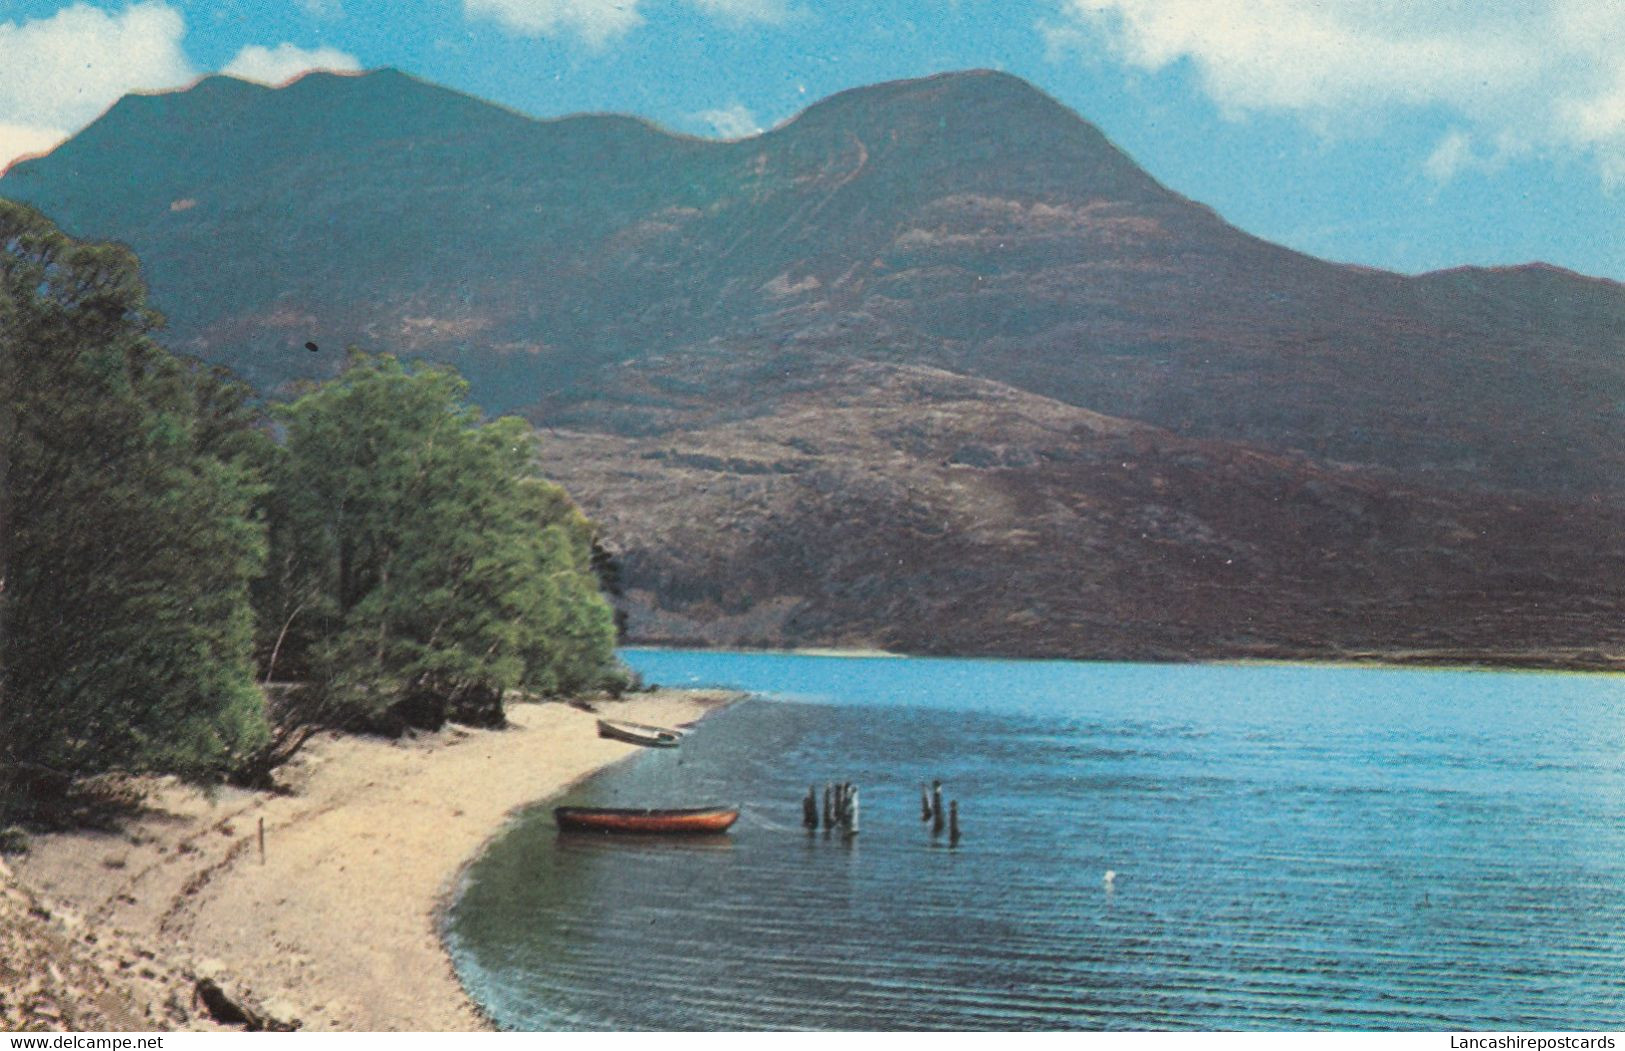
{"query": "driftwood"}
(229, 1008)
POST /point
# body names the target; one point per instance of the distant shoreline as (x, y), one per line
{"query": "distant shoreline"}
(340, 920)
(837, 652)
(1587, 662)
(1427, 662)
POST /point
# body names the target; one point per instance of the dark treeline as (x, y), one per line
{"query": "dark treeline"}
(169, 549)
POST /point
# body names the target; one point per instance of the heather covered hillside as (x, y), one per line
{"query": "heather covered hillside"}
(931, 365)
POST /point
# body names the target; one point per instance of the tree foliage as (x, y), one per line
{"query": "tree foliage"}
(419, 567)
(406, 563)
(126, 538)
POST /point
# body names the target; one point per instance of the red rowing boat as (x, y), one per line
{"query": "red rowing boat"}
(697, 820)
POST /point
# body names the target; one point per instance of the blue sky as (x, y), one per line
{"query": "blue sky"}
(1404, 134)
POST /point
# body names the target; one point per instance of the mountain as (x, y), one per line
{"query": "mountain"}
(932, 365)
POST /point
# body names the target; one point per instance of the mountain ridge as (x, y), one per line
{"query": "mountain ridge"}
(657, 299)
(209, 82)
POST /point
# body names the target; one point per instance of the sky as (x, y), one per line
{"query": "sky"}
(1409, 135)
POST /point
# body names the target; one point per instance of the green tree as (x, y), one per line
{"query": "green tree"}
(419, 568)
(126, 541)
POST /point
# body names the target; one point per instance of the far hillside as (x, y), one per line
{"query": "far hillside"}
(933, 365)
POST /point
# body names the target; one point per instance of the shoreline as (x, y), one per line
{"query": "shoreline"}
(832, 652)
(1576, 662)
(339, 924)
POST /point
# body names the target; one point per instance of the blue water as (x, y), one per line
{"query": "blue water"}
(1295, 848)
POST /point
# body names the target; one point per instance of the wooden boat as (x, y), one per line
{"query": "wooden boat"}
(639, 733)
(694, 821)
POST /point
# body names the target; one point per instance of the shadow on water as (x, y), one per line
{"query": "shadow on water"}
(622, 844)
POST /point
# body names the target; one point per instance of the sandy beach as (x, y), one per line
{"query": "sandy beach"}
(338, 924)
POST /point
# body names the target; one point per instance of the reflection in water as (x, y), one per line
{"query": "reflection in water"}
(1144, 848)
(583, 843)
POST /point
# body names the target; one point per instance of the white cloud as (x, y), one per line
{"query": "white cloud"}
(596, 21)
(59, 73)
(599, 21)
(1459, 151)
(1311, 54)
(21, 140)
(1522, 71)
(1454, 152)
(731, 122)
(1598, 122)
(284, 62)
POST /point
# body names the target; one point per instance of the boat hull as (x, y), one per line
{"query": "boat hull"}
(692, 822)
(637, 733)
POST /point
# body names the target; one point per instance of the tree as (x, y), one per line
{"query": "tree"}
(126, 542)
(419, 568)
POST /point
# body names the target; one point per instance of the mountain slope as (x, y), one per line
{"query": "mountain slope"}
(1439, 453)
(965, 221)
(902, 506)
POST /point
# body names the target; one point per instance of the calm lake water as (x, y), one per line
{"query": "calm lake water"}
(1295, 848)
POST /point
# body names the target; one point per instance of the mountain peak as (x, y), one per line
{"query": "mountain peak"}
(940, 95)
(223, 85)
(983, 119)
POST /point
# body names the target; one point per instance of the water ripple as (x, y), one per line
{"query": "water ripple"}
(1293, 851)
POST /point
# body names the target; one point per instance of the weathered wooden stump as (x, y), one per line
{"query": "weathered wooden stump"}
(953, 823)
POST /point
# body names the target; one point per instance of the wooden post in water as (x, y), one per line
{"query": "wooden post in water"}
(953, 823)
(925, 803)
(829, 806)
(809, 809)
(852, 812)
(936, 807)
